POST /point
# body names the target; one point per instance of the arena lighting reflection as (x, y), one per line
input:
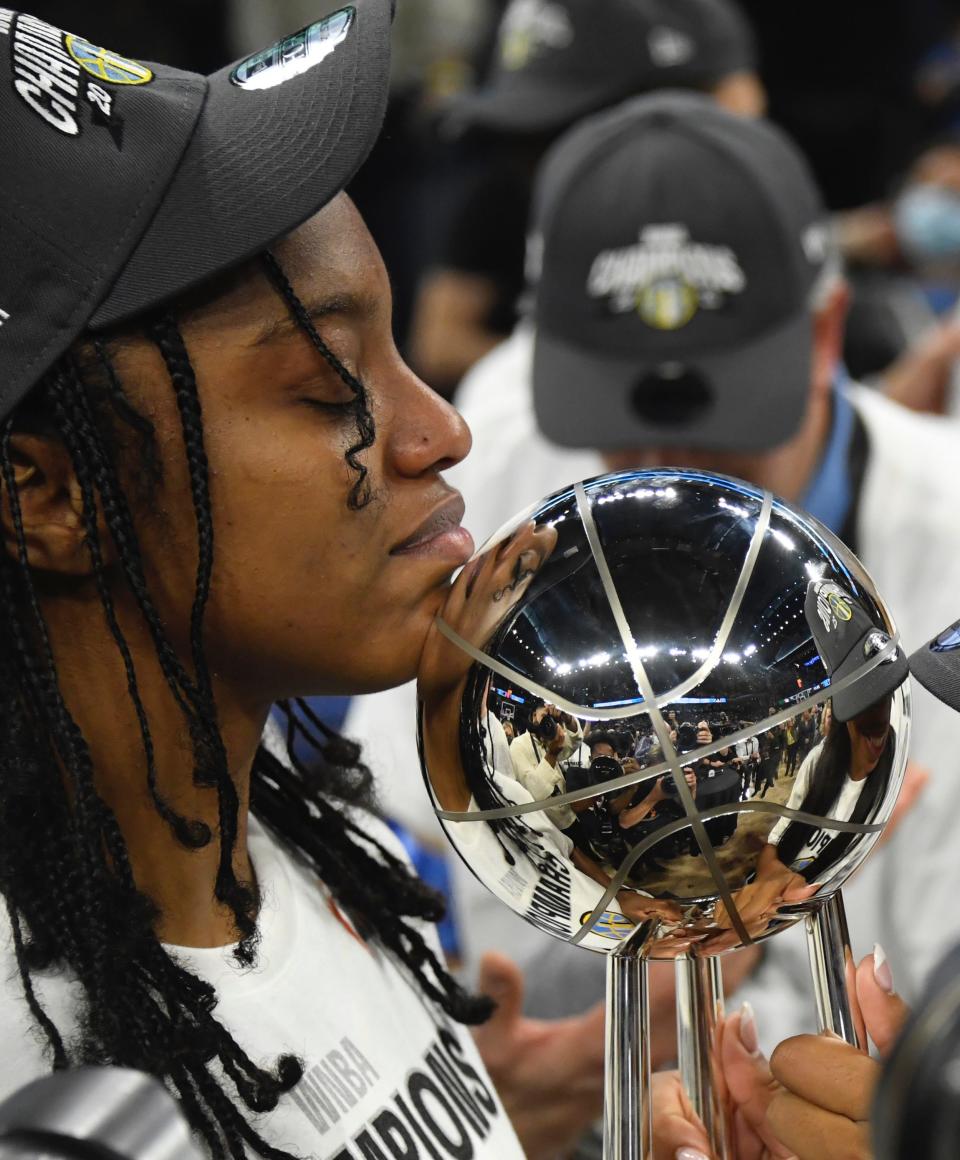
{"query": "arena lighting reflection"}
(667, 493)
(731, 507)
(536, 655)
(678, 701)
(647, 652)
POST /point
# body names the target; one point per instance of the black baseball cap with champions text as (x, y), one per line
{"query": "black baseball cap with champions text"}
(125, 183)
(558, 60)
(675, 249)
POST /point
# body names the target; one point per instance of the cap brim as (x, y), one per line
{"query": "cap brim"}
(528, 106)
(873, 686)
(260, 163)
(938, 672)
(758, 394)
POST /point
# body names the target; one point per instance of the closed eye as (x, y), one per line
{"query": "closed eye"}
(327, 406)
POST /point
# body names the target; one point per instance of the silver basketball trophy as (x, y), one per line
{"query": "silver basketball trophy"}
(750, 676)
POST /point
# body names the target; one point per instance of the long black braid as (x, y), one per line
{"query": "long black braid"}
(366, 432)
(65, 871)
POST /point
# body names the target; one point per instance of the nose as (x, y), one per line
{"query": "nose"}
(428, 435)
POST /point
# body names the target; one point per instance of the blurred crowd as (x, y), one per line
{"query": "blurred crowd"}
(481, 88)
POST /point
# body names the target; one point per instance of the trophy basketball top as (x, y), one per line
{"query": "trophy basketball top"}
(663, 707)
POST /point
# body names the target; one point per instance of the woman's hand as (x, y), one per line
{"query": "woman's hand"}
(548, 1073)
(774, 885)
(679, 1135)
(642, 908)
(810, 1102)
(822, 1106)
(481, 597)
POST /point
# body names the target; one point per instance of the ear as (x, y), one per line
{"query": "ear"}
(51, 507)
(829, 322)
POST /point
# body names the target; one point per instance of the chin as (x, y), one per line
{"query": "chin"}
(385, 672)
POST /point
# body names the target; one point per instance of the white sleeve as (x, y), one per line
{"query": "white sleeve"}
(540, 781)
(524, 756)
(797, 794)
(571, 741)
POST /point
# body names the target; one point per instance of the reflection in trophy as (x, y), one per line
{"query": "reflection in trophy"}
(710, 722)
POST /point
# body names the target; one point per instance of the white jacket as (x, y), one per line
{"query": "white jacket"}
(908, 536)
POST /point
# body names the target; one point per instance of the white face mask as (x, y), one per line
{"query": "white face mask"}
(928, 222)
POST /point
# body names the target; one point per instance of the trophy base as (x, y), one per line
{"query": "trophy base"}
(628, 1119)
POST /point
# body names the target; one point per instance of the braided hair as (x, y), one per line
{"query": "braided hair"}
(65, 871)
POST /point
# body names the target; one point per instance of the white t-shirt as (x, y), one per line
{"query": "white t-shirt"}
(385, 1073)
(841, 810)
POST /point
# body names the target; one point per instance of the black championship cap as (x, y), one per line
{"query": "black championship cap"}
(937, 666)
(847, 638)
(558, 60)
(124, 183)
(674, 254)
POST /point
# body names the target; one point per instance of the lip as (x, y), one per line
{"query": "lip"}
(441, 535)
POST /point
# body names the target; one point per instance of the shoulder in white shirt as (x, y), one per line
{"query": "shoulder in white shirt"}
(385, 1073)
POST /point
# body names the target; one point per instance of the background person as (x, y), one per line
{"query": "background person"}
(555, 62)
(735, 370)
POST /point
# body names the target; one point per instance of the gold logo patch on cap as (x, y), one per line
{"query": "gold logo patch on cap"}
(107, 66)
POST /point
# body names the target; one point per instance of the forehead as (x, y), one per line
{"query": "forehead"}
(332, 254)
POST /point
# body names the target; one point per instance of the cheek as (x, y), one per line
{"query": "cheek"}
(305, 598)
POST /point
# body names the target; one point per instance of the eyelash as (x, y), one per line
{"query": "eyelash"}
(332, 408)
(328, 407)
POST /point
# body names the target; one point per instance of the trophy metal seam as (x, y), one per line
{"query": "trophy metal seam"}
(585, 510)
(825, 694)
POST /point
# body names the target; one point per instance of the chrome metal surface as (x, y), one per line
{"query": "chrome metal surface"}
(626, 1105)
(832, 970)
(699, 1014)
(108, 1112)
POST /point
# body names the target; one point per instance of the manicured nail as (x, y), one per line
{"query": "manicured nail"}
(748, 1030)
(691, 1154)
(881, 970)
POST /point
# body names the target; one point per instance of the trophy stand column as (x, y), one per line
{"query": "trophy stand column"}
(699, 1012)
(627, 1128)
(832, 967)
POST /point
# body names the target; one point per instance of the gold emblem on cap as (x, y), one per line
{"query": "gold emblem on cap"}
(668, 303)
(107, 66)
(611, 924)
(516, 49)
(839, 606)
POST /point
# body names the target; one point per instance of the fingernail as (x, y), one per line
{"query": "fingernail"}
(691, 1154)
(748, 1029)
(881, 970)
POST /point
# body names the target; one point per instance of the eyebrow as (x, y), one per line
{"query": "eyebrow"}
(336, 304)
